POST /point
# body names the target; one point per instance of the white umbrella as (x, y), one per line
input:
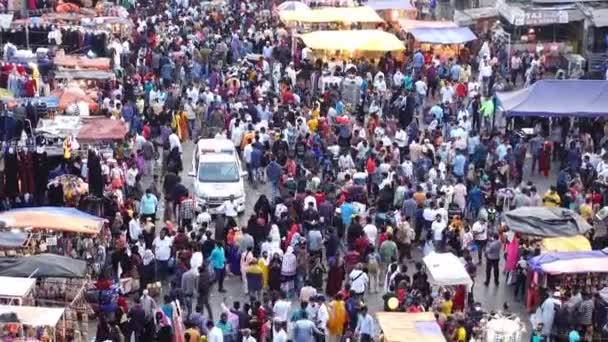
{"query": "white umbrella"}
(292, 6)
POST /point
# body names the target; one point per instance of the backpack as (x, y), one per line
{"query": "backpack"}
(372, 263)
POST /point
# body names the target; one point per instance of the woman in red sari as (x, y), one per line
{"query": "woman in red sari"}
(544, 162)
(335, 275)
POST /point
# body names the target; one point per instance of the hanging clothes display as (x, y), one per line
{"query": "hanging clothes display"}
(95, 178)
(2, 194)
(41, 174)
(11, 173)
(26, 172)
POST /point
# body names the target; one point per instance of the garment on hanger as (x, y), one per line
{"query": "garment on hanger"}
(95, 177)
(41, 174)
(26, 172)
(11, 166)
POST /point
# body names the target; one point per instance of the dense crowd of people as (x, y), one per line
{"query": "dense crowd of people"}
(400, 158)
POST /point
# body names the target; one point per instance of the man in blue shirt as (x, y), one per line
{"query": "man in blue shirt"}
(148, 205)
(347, 210)
(455, 72)
(458, 165)
(274, 173)
(365, 326)
(418, 61)
(218, 262)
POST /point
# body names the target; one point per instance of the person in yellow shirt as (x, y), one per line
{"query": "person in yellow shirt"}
(447, 304)
(191, 334)
(316, 110)
(313, 124)
(460, 333)
(263, 264)
(586, 209)
(551, 198)
(337, 319)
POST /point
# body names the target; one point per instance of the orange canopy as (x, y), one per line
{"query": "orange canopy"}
(70, 96)
(82, 62)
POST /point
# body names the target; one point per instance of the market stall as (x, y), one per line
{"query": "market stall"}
(480, 19)
(447, 273)
(586, 271)
(61, 282)
(69, 220)
(576, 243)
(17, 290)
(546, 222)
(445, 38)
(351, 43)
(446, 269)
(394, 10)
(32, 323)
(13, 240)
(406, 327)
(100, 130)
(326, 15)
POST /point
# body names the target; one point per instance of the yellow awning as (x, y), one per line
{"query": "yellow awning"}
(577, 243)
(358, 40)
(362, 14)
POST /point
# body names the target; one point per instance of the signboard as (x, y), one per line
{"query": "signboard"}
(6, 20)
(531, 17)
(537, 18)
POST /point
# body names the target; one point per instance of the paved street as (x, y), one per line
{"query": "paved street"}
(491, 297)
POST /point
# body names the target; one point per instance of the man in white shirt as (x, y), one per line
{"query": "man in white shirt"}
(437, 228)
(401, 138)
(358, 280)
(371, 231)
(480, 235)
(421, 89)
(215, 334)
(162, 250)
(228, 208)
(134, 228)
(447, 93)
(174, 142)
(131, 179)
(281, 308)
(247, 158)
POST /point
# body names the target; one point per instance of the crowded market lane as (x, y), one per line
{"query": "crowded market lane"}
(491, 297)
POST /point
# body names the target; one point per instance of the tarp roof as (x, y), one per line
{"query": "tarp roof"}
(600, 17)
(577, 243)
(406, 327)
(446, 270)
(362, 14)
(34, 315)
(471, 15)
(571, 262)
(55, 218)
(101, 130)
(16, 287)
(82, 62)
(408, 24)
(43, 266)
(358, 40)
(444, 35)
(546, 222)
(11, 239)
(380, 5)
(582, 98)
(84, 74)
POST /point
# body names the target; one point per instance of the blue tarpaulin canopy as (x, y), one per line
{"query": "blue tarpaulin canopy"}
(583, 98)
(380, 5)
(443, 35)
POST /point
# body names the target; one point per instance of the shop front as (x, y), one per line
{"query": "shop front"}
(553, 31)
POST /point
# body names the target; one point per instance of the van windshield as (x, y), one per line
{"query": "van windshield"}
(218, 172)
